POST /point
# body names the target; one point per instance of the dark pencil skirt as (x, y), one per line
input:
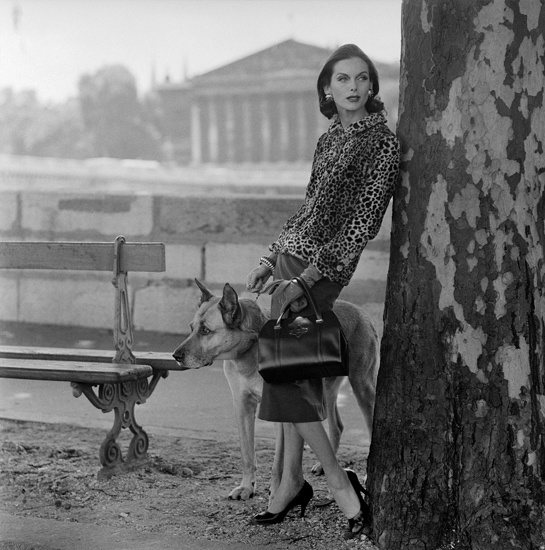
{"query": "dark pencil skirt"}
(303, 400)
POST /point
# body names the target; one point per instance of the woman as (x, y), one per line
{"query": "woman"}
(354, 172)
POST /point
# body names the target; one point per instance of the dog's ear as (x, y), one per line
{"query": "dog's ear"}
(231, 311)
(205, 293)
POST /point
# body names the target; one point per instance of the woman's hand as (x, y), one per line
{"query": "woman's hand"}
(257, 278)
(290, 292)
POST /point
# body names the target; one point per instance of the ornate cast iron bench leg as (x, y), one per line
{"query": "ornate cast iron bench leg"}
(121, 398)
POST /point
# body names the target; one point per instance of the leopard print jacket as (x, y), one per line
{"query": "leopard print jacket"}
(353, 176)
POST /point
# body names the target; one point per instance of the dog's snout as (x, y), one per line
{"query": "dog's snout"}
(179, 355)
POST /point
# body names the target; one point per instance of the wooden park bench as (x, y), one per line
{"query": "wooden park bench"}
(122, 378)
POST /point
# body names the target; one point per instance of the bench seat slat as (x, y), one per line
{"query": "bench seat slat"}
(81, 256)
(77, 371)
(157, 360)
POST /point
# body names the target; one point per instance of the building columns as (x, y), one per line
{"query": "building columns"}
(213, 131)
(301, 131)
(283, 127)
(196, 134)
(230, 129)
(246, 130)
(252, 128)
(266, 130)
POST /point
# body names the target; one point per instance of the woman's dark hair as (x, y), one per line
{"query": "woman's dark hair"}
(348, 51)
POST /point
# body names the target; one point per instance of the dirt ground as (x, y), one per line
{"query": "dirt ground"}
(50, 471)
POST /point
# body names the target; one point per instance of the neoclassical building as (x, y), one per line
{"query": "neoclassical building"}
(260, 109)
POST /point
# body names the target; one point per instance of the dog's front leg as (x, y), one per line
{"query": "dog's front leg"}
(245, 402)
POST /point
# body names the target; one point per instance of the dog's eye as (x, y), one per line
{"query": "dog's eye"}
(204, 330)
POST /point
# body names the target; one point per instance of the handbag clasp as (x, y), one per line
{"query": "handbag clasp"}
(298, 331)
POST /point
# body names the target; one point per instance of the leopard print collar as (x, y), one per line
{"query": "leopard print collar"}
(359, 126)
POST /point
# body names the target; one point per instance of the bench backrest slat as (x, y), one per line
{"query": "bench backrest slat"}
(81, 256)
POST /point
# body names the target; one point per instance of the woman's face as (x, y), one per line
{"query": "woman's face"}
(349, 86)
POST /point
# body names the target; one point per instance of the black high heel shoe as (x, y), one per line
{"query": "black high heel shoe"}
(302, 498)
(362, 519)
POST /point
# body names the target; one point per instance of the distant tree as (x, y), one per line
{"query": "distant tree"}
(58, 131)
(28, 127)
(114, 116)
(154, 117)
(457, 459)
(17, 111)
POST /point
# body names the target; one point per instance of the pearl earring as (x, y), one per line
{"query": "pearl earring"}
(328, 97)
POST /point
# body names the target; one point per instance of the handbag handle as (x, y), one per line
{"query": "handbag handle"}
(308, 296)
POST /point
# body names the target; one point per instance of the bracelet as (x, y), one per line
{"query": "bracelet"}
(267, 263)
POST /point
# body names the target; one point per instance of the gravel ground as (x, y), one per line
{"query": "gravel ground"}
(50, 471)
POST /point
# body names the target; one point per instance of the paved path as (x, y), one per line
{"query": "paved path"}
(18, 533)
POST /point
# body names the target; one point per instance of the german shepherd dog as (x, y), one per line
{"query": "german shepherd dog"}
(227, 328)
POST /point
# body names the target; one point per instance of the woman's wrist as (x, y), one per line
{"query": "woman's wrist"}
(311, 275)
(269, 263)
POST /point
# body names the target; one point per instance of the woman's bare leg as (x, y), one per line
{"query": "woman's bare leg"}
(292, 472)
(278, 462)
(292, 476)
(315, 435)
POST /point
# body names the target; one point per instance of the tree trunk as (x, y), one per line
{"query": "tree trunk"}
(458, 453)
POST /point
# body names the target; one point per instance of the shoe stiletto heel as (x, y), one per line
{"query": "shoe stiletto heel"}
(361, 519)
(302, 499)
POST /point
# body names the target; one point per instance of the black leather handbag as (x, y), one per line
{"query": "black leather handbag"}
(301, 348)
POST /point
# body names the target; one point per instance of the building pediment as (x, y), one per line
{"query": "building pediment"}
(288, 55)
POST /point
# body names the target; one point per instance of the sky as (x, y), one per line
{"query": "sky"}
(47, 45)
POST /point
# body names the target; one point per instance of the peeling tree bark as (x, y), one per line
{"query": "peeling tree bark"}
(458, 452)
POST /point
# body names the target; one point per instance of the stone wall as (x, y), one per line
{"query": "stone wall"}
(215, 237)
